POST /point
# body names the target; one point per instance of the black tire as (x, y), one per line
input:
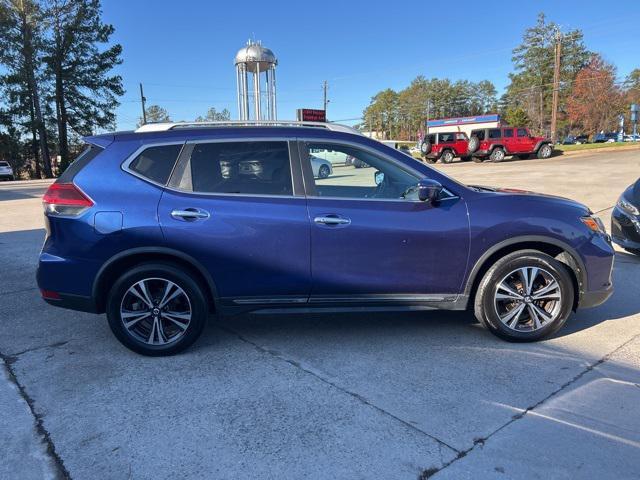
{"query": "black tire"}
(477, 159)
(324, 171)
(447, 156)
(473, 145)
(497, 155)
(545, 151)
(485, 302)
(165, 271)
(425, 147)
(523, 156)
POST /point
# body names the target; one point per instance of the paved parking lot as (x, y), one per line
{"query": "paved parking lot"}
(381, 395)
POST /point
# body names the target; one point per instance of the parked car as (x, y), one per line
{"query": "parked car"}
(625, 219)
(605, 137)
(6, 172)
(575, 139)
(495, 143)
(145, 227)
(444, 146)
(321, 168)
(632, 138)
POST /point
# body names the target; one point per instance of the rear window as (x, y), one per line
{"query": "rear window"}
(495, 133)
(508, 132)
(156, 163)
(250, 168)
(79, 163)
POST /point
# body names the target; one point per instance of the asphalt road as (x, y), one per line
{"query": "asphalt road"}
(383, 395)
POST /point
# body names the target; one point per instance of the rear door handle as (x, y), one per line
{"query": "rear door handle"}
(331, 219)
(190, 214)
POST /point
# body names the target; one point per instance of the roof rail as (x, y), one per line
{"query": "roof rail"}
(165, 126)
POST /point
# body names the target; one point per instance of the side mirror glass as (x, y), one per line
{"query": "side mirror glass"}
(378, 177)
(429, 190)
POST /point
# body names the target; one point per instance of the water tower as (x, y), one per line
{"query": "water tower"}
(252, 61)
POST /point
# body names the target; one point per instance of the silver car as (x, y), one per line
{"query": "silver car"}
(321, 168)
(6, 172)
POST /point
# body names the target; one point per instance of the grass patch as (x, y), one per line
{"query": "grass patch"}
(593, 146)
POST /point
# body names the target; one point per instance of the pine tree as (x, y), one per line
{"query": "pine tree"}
(21, 44)
(214, 116)
(86, 91)
(155, 114)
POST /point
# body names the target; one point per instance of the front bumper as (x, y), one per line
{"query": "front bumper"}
(625, 229)
(481, 153)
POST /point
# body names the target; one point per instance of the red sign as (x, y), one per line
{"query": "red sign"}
(311, 115)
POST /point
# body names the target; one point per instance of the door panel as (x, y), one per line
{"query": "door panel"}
(257, 247)
(388, 247)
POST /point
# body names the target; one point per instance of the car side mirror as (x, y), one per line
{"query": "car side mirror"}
(378, 177)
(429, 190)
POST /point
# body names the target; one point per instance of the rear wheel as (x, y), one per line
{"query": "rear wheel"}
(156, 309)
(497, 155)
(447, 156)
(545, 151)
(525, 296)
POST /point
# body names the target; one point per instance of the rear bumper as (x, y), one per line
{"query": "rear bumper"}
(481, 153)
(74, 302)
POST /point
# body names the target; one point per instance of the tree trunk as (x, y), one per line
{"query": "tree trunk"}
(61, 114)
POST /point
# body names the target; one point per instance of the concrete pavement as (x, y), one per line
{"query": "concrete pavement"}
(325, 395)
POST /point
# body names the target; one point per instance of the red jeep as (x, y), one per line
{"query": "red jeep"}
(496, 143)
(444, 146)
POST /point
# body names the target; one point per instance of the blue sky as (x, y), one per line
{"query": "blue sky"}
(183, 51)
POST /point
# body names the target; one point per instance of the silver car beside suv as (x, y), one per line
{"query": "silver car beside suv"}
(6, 172)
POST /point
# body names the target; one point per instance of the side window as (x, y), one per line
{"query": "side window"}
(365, 175)
(156, 163)
(461, 136)
(478, 133)
(446, 137)
(250, 168)
(522, 132)
(495, 133)
(507, 133)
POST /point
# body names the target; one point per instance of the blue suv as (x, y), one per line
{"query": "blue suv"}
(162, 226)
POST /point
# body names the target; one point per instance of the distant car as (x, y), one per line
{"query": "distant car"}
(6, 172)
(605, 137)
(494, 144)
(445, 146)
(575, 139)
(632, 138)
(321, 168)
(625, 219)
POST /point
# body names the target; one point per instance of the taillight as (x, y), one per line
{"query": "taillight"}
(65, 199)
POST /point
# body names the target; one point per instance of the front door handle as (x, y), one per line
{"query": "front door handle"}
(190, 214)
(331, 219)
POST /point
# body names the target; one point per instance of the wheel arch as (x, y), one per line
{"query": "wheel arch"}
(551, 246)
(119, 263)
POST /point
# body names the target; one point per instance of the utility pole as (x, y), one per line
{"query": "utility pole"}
(325, 101)
(556, 88)
(426, 126)
(144, 109)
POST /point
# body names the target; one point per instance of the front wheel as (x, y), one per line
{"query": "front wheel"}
(156, 309)
(525, 296)
(545, 151)
(324, 171)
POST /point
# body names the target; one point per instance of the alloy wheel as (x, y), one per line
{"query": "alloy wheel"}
(528, 299)
(155, 311)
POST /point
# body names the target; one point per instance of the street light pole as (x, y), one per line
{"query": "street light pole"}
(556, 88)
